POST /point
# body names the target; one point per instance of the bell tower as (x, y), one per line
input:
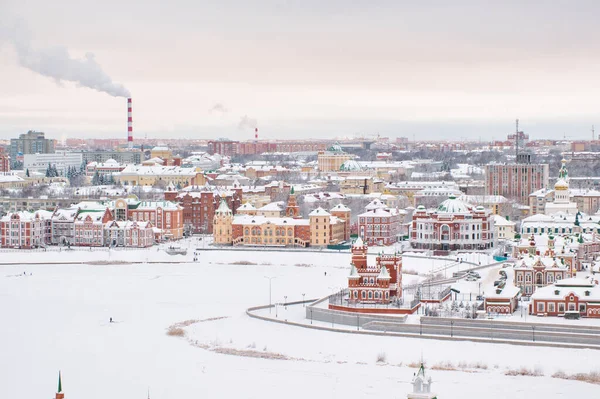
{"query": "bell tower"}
(292, 210)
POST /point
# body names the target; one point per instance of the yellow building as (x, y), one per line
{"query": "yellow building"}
(142, 175)
(332, 159)
(320, 221)
(163, 153)
(361, 185)
(222, 224)
(504, 229)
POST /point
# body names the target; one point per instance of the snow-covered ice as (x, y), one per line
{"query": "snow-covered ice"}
(57, 318)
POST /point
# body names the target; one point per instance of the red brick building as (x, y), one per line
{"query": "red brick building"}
(580, 295)
(4, 161)
(515, 181)
(454, 225)
(270, 231)
(89, 227)
(377, 283)
(199, 206)
(25, 229)
(379, 225)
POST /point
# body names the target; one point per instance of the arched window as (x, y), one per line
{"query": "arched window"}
(370, 295)
(445, 232)
(539, 279)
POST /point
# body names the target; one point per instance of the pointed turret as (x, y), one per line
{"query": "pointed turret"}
(353, 272)
(223, 208)
(384, 274)
(59, 392)
(421, 385)
(358, 243)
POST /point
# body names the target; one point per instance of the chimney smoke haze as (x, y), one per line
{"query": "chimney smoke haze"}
(55, 62)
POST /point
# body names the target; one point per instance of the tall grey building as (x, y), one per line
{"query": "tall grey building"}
(31, 142)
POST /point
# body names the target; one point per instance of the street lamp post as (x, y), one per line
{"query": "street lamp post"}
(270, 303)
(303, 302)
(451, 328)
(310, 315)
(421, 326)
(285, 302)
(533, 332)
(357, 322)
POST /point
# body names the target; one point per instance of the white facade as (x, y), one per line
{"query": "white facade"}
(62, 160)
(505, 229)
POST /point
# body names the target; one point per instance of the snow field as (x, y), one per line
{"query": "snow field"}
(58, 318)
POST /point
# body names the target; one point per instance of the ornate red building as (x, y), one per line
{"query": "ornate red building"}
(199, 205)
(379, 283)
(454, 225)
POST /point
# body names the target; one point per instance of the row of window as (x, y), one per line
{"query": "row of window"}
(371, 294)
(257, 232)
(551, 306)
(539, 279)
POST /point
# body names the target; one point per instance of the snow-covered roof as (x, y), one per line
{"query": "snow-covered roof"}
(10, 178)
(500, 221)
(223, 209)
(65, 214)
(358, 243)
(350, 165)
(384, 274)
(585, 288)
(157, 170)
(276, 206)
(508, 291)
(259, 220)
(454, 205)
(94, 215)
(375, 204)
(340, 208)
(382, 212)
(353, 272)
(246, 206)
(319, 212)
(25, 216)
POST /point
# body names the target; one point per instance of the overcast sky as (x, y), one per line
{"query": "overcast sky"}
(435, 69)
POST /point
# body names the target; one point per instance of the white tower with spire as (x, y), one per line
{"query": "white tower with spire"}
(562, 194)
(421, 386)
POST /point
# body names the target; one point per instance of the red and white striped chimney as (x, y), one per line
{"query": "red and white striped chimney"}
(129, 125)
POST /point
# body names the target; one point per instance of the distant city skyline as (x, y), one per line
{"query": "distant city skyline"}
(306, 69)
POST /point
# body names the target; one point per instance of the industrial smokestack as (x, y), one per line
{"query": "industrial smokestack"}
(129, 125)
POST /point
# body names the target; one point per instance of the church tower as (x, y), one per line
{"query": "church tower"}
(59, 392)
(292, 210)
(562, 194)
(359, 254)
(222, 224)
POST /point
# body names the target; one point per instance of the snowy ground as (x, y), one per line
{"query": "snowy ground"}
(58, 318)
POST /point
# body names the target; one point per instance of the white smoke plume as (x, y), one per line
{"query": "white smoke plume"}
(218, 108)
(246, 122)
(56, 62)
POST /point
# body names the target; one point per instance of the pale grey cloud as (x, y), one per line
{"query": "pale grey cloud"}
(218, 108)
(300, 63)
